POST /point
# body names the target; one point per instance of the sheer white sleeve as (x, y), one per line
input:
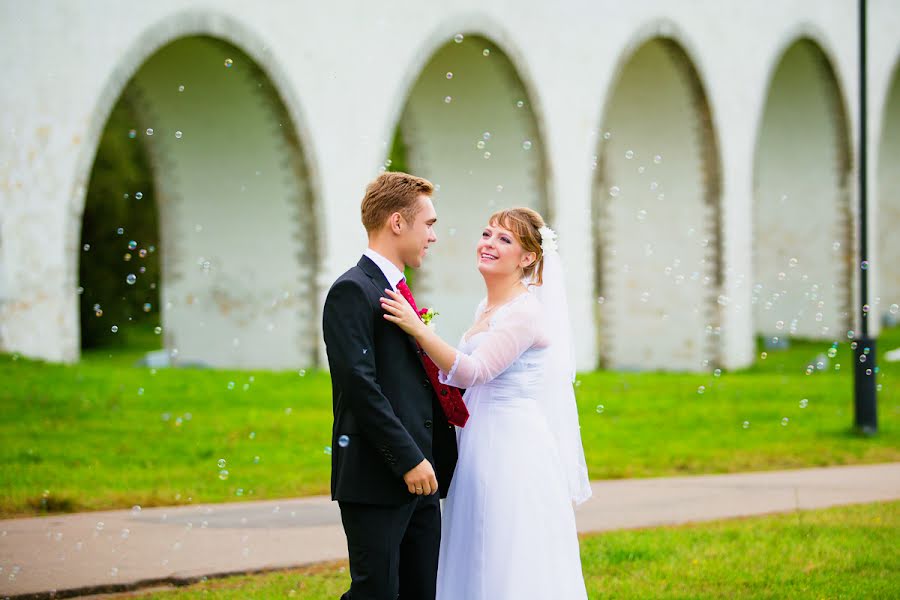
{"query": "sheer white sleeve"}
(513, 334)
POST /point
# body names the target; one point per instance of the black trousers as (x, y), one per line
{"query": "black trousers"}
(393, 549)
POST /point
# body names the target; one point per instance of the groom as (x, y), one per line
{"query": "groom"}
(394, 450)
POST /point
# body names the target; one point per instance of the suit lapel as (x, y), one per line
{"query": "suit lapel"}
(371, 269)
(374, 273)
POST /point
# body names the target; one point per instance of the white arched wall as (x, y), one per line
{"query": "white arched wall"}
(353, 88)
(474, 134)
(656, 223)
(237, 227)
(888, 230)
(803, 227)
(55, 145)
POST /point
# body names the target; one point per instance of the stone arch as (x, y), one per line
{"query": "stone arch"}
(239, 242)
(888, 178)
(469, 125)
(803, 223)
(656, 205)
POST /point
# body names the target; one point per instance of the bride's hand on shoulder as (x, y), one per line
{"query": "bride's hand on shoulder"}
(397, 310)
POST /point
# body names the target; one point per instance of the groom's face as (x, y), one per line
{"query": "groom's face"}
(416, 236)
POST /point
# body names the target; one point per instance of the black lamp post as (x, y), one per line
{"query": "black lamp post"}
(865, 366)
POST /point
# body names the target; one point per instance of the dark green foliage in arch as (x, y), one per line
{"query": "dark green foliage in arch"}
(120, 172)
(397, 161)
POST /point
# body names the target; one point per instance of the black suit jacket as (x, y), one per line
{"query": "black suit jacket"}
(383, 401)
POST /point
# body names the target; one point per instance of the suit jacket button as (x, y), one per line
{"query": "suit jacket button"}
(444, 392)
(428, 424)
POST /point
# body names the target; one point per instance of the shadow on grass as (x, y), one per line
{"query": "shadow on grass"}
(48, 504)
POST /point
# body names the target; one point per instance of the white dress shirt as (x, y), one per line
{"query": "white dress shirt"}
(390, 270)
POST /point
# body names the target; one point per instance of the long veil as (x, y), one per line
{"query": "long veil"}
(558, 401)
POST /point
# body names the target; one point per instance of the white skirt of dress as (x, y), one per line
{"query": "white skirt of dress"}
(508, 524)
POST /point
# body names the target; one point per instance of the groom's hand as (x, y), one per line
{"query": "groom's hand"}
(421, 480)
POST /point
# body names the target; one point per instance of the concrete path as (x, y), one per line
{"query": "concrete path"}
(120, 550)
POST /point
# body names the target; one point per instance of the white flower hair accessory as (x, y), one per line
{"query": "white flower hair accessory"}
(548, 239)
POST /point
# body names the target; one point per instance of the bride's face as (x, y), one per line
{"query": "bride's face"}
(500, 253)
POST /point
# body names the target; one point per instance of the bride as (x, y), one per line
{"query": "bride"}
(509, 523)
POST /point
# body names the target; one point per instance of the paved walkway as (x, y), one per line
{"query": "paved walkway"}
(120, 550)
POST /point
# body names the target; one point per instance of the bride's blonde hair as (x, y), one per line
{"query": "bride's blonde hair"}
(525, 225)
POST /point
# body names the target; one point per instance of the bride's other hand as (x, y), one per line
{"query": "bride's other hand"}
(397, 310)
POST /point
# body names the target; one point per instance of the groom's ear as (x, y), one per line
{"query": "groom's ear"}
(395, 222)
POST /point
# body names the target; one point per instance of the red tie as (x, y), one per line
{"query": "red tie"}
(449, 397)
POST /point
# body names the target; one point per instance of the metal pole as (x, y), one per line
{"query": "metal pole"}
(865, 371)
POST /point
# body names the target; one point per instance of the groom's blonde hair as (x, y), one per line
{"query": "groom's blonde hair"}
(525, 224)
(392, 192)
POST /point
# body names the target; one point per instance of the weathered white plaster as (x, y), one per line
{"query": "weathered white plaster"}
(347, 73)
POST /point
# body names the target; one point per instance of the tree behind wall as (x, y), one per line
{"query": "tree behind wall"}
(120, 197)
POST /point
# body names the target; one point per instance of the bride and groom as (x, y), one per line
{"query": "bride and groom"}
(506, 455)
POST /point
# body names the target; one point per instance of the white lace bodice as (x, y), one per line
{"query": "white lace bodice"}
(506, 356)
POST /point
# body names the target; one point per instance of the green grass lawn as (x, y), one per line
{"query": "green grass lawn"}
(846, 552)
(105, 434)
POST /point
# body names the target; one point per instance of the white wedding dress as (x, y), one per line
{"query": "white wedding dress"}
(508, 520)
